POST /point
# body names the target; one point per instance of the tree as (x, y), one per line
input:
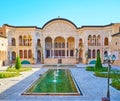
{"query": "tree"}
(98, 64)
(18, 63)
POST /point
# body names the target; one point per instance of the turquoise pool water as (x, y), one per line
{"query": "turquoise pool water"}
(56, 82)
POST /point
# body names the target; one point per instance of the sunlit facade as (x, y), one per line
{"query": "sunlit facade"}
(59, 40)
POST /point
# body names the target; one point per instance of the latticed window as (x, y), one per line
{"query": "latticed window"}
(21, 54)
(106, 41)
(29, 54)
(93, 53)
(25, 54)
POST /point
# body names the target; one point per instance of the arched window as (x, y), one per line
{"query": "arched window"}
(94, 40)
(56, 45)
(20, 40)
(48, 43)
(98, 51)
(71, 42)
(29, 54)
(38, 42)
(29, 40)
(63, 45)
(105, 53)
(24, 41)
(21, 54)
(89, 40)
(13, 55)
(13, 42)
(25, 54)
(80, 42)
(93, 53)
(89, 53)
(98, 40)
(106, 41)
(59, 45)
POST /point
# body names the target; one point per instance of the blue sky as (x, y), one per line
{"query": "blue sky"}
(38, 12)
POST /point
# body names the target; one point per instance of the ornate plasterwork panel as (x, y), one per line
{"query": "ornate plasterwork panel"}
(94, 32)
(59, 29)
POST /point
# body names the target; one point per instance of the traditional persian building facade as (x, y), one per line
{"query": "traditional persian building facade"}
(59, 40)
(3, 47)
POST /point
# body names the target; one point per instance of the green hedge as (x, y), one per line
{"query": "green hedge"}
(105, 74)
(116, 83)
(92, 68)
(8, 74)
(13, 69)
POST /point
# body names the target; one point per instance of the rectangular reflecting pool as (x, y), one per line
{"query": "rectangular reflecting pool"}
(54, 82)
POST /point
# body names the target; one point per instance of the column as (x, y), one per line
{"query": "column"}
(52, 48)
(65, 48)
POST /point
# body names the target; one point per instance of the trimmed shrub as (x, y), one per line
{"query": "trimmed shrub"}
(98, 64)
(116, 83)
(18, 63)
(8, 74)
(13, 69)
(105, 74)
(90, 68)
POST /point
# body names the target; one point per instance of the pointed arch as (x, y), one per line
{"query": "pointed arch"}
(48, 47)
(48, 42)
(25, 54)
(89, 53)
(93, 53)
(20, 40)
(80, 42)
(94, 40)
(24, 40)
(98, 40)
(38, 56)
(106, 41)
(21, 54)
(71, 42)
(29, 54)
(13, 41)
(29, 40)
(89, 40)
(13, 55)
(38, 42)
(98, 51)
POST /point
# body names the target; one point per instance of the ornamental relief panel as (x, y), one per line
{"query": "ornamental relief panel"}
(59, 29)
(94, 32)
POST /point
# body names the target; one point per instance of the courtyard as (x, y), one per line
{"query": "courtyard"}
(93, 88)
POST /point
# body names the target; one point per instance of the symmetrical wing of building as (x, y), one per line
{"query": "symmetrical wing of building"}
(59, 40)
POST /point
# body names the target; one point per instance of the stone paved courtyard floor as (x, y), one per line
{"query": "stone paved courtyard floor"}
(93, 88)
